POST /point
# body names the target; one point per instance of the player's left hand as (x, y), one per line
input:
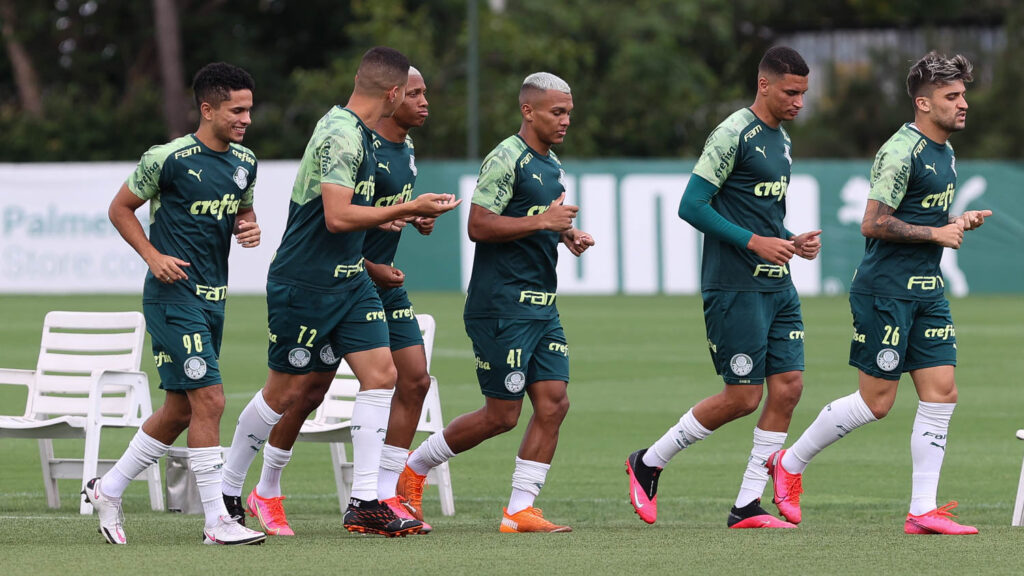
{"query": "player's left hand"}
(974, 218)
(424, 225)
(808, 244)
(247, 233)
(577, 241)
(393, 226)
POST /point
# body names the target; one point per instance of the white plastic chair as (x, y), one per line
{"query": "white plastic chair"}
(332, 421)
(1018, 505)
(87, 377)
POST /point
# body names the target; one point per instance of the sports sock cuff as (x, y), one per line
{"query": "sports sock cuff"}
(393, 458)
(859, 410)
(276, 457)
(380, 398)
(768, 437)
(936, 409)
(150, 446)
(529, 476)
(266, 413)
(693, 427)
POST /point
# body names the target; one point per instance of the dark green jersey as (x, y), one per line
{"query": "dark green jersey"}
(395, 178)
(516, 279)
(749, 162)
(194, 194)
(339, 152)
(917, 177)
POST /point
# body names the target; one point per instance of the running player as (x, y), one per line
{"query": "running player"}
(321, 304)
(517, 220)
(901, 318)
(736, 197)
(394, 184)
(200, 190)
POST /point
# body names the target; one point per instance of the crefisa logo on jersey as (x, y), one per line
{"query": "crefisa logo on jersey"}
(241, 178)
(515, 382)
(327, 355)
(195, 367)
(887, 359)
(741, 364)
(299, 357)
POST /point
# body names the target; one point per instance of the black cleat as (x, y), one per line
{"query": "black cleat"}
(753, 516)
(235, 508)
(372, 517)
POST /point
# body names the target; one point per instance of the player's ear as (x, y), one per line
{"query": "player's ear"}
(923, 103)
(206, 111)
(762, 85)
(527, 111)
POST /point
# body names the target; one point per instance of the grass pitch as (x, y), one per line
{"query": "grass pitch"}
(638, 363)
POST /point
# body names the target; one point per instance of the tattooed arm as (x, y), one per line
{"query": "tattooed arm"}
(880, 223)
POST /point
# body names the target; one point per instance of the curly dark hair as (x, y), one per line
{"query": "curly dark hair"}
(214, 83)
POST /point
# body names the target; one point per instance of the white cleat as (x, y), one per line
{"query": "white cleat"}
(109, 511)
(230, 533)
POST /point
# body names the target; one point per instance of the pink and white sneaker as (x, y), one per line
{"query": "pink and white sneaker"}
(643, 486)
(270, 513)
(786, 487)
(938, 521)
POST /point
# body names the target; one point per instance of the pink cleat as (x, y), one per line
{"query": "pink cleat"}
(786, 487)
(938, 521)
(753, 516)
(401, 507)
(643, 486)
(270, 513)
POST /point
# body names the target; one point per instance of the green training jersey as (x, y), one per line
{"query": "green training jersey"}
(749, 162)
(194, 194)
(516, 279)
(339, 152)
(917, 177)
(395, 178)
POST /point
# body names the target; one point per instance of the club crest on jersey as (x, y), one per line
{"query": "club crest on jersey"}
(888, 359)
(741, 364)
(299, 357)
(241, 178)
(327, 355)
(515, 382)
(412, 164)
(195, 367)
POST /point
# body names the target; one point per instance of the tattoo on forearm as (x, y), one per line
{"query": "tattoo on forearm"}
(885, 226)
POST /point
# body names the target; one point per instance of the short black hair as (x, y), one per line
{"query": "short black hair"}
(214, 83)
(782, 60)
(380, 69)
(934, 70)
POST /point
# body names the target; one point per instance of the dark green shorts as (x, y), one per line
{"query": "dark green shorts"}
(403, 328)
(893, 336)
(512, 353)
(752, 335)
(312, 331)
(186, 344)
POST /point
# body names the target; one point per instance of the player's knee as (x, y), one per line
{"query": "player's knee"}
(414, 387)
(553, 411)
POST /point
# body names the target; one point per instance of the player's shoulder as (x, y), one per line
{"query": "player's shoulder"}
(506, 153)
(734, 125)
(243, 153)
(341, 121)
(554, 157)
(180, 147)
(903, 145)
(409, 143)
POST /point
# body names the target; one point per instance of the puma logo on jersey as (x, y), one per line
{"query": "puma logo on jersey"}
(761, 149)
(931, 167)
(539, 179)
(198, 175)
(386, 166)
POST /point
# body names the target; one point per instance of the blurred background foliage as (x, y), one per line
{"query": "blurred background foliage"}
(86, 80)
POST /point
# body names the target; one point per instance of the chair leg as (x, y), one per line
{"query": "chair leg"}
(156, 488)
(342, 474)
(90, 463)
(49, 482)
(444, 489)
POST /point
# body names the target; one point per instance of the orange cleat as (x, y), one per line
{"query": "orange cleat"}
(270, 513)
(529, 520)
(410, 487)
(938, 521)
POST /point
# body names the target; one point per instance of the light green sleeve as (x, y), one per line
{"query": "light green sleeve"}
(247, 196)
(497, 180)
(340, 154)
(719, 156)
(890, 174)
(144, 182)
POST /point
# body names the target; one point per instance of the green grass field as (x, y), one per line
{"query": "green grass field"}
(638, 363)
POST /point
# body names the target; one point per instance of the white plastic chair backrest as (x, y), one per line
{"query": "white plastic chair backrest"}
(341, 397)
(73, 345)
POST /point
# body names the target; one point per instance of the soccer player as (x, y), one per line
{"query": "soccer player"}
(517, 219)
(200, 190)
(736, 197)
(321, 304)
(901, 318)
(394, 183)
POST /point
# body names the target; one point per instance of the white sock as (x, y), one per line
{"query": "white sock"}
(433, 452)
(369, 426)
(392, 463)
(274, 461)
(834, 421)
(927, 450)
(253, 429)
(142, 452)
(206, 464)
(687, 431)
(755, 477)
(527, 480)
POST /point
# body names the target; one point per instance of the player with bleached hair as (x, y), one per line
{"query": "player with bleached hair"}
(901, 317)
(517, 219)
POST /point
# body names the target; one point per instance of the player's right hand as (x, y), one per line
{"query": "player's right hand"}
(433, 205)
(383, 275)
(774, 250)
(951, 235)
(168, 269)
(558, 217)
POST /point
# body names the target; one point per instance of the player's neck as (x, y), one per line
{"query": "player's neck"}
(931, 130)
(764, 115)
(532, 141)
(369, 110)
(205, 135)
(391, 130)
